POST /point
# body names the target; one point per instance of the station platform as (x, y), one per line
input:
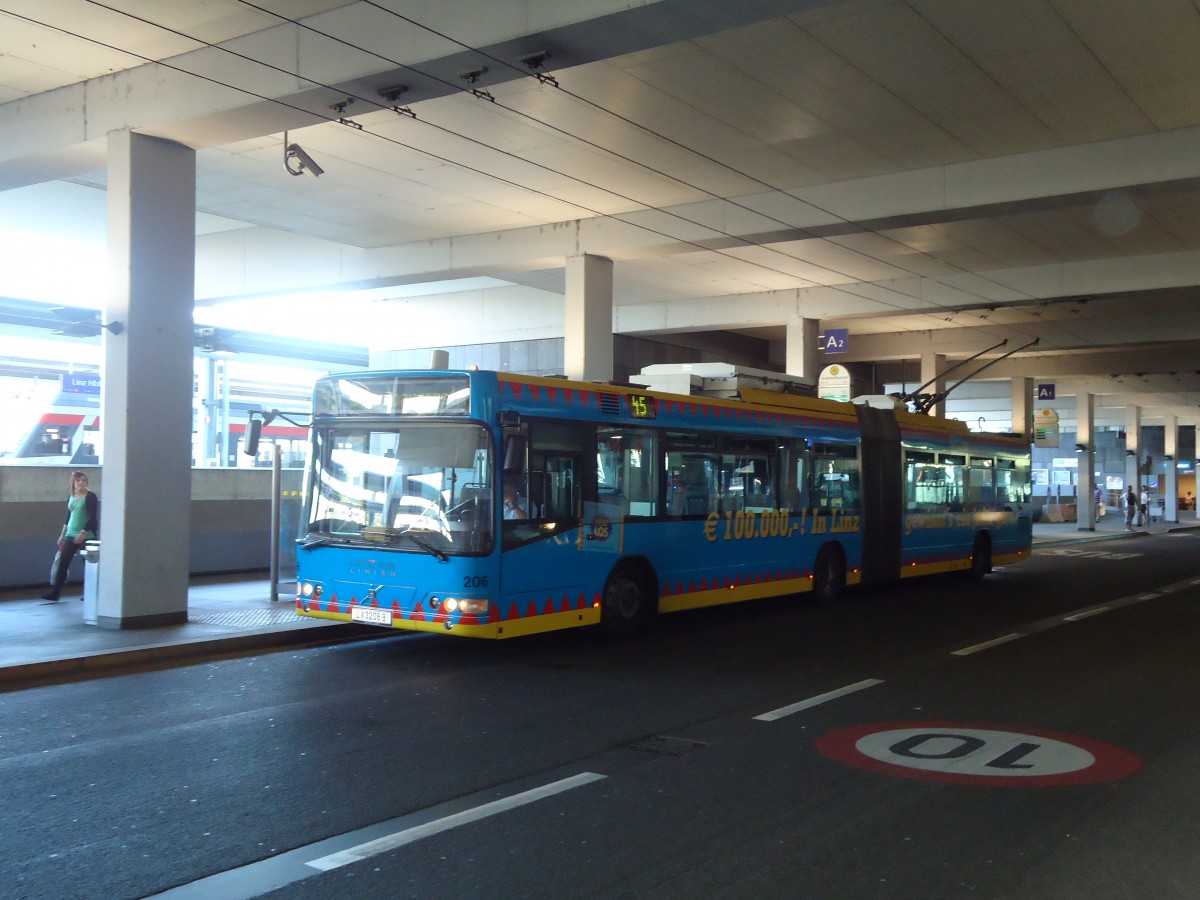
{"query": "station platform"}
(235, 615)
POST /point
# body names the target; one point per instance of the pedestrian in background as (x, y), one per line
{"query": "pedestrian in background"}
(81, 524)
(1131, 505)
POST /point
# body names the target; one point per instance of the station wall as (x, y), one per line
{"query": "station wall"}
(230, 519)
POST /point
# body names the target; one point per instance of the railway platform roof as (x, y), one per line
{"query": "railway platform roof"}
(235, 615)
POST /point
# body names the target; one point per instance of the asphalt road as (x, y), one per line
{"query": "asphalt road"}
(1029, 736)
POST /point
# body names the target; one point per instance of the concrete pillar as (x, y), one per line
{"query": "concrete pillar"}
(1085, 430)
(1022, 406)
(588, 334)
(802, 359)
(1133, 447)
(931, 364)
(147, 386)
(1170, 490)
(1195, 492)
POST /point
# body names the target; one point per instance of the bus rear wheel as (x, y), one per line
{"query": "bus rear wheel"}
(626, 605)
(829, 575)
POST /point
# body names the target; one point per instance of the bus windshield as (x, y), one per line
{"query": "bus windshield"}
(420, 487)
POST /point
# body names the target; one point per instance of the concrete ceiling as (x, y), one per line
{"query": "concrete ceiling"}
(932, 175)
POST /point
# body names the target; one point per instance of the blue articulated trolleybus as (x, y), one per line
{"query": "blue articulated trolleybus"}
(493, 505)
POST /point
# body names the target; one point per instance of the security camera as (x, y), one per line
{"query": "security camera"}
(304, 163)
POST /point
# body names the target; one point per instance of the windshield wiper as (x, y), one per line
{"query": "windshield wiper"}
(428, 548)
(311, 542)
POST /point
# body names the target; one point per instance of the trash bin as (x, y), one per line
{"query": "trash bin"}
(91, 580)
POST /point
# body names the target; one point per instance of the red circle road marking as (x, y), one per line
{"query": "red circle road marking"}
(986, 755)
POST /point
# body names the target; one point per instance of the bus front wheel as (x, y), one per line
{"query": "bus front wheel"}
(627, 605)
(829, 575)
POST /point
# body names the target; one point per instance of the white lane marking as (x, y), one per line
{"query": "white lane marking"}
(818, 700)
(1149, 596)
(409, 835)
(1087, 554)
(1087, 613)
(995, 642)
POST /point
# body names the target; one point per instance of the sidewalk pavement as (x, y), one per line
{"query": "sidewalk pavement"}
(234, 615)
(228, 615)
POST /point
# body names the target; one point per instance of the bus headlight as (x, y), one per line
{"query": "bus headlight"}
(468, 606)
(308, 591)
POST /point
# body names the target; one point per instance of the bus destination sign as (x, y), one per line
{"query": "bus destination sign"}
(641, 406)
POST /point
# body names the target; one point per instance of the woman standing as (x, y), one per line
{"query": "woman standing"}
(82, 523)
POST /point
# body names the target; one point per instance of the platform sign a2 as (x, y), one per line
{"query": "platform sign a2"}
(834, 340)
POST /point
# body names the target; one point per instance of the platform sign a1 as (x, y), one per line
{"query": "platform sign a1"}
(834, 384)
(1045, 429)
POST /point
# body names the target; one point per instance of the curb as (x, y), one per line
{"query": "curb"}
(166, 655)
(1089, 537)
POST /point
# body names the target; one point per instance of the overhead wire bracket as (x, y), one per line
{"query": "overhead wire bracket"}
(392, 94)
(534, 62)
(340, 109)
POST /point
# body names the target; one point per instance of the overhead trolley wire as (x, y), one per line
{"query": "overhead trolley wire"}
(327, 119)
(530, 70)
(526, 72)
(324, 118)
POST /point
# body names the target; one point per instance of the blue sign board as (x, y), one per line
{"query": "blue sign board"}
(834, 340)
(1045, 392)
(81, 384)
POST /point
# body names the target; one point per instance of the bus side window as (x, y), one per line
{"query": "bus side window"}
(955, 467)
(556, 454)
(923, 481)
(836, 477)
(793, 475)
(556, 491)
(980, 487)
(625, 470)
(693, 472)
(748, 475)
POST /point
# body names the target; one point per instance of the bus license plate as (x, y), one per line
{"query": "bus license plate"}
(371, 615)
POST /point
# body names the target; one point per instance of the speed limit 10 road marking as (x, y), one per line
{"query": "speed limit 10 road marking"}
(986, 755)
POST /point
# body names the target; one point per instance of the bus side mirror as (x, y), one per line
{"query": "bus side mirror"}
(253, 433)
(514, 453)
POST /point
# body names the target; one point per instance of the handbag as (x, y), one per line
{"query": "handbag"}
(54, 565)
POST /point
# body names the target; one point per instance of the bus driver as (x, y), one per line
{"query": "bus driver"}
(514, 503)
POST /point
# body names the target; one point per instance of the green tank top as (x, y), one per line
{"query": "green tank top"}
(79, 515)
